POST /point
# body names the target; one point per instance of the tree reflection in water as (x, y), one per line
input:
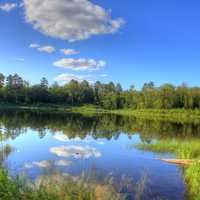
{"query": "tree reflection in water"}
(106, 126)
(75, 126)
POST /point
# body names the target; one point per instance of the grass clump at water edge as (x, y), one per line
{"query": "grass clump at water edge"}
(18, 189)
(65, 187)
(183, 149)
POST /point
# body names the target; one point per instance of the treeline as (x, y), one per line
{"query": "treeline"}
(13, 89)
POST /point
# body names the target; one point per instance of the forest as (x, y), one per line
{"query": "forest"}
(15, 90)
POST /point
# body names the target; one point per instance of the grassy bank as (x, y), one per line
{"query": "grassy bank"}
(178, 115)
(183, 149)
(85, 109)
(36, 107)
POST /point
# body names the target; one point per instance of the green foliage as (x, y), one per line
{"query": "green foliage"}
(184, 149)
(109, 96)
(66, 187)
(8, 188)
(192, 177)
(173, 115)
(16, 189)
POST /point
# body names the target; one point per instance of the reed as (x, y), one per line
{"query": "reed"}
(183, 149)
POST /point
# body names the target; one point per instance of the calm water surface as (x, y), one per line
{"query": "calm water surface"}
(99, 145)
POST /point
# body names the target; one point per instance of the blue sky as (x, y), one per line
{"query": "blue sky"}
(131, 42)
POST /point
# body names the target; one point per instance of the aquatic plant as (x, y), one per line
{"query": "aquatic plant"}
(192, 178)
(4, 152)
(183, 149)
(16, 189)
(59, 186)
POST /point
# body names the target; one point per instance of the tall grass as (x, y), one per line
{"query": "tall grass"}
(192, 178)
(172, 115)
(16, 189)
(66, 187)
(183, 149)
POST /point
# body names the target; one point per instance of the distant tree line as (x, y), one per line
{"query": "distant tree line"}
(13, 89)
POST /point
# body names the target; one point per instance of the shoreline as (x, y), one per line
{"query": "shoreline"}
(172, 115)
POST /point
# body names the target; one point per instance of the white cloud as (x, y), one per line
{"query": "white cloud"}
(34, 45)
(81, 64)
(69, 51)
(103, 75)
(76, 151)
(8, 6)
(67, 77)
(70, 19)
(47, 49)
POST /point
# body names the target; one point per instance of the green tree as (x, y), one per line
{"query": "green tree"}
(44, 83)
(167, 96)
(2, 79)
(149, 93)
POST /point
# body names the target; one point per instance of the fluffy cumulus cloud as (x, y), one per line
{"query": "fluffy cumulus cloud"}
(76, 151)
(8, 6)
(69, 51)
(81, 64)
(46, 49)
(67, 77)
(70, 20)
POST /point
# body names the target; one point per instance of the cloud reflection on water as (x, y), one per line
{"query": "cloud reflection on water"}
(63, 138)
(76, 151)
(40, 164)
(47, 164)
(63, 163)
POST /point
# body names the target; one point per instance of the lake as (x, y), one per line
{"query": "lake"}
(100, 148)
